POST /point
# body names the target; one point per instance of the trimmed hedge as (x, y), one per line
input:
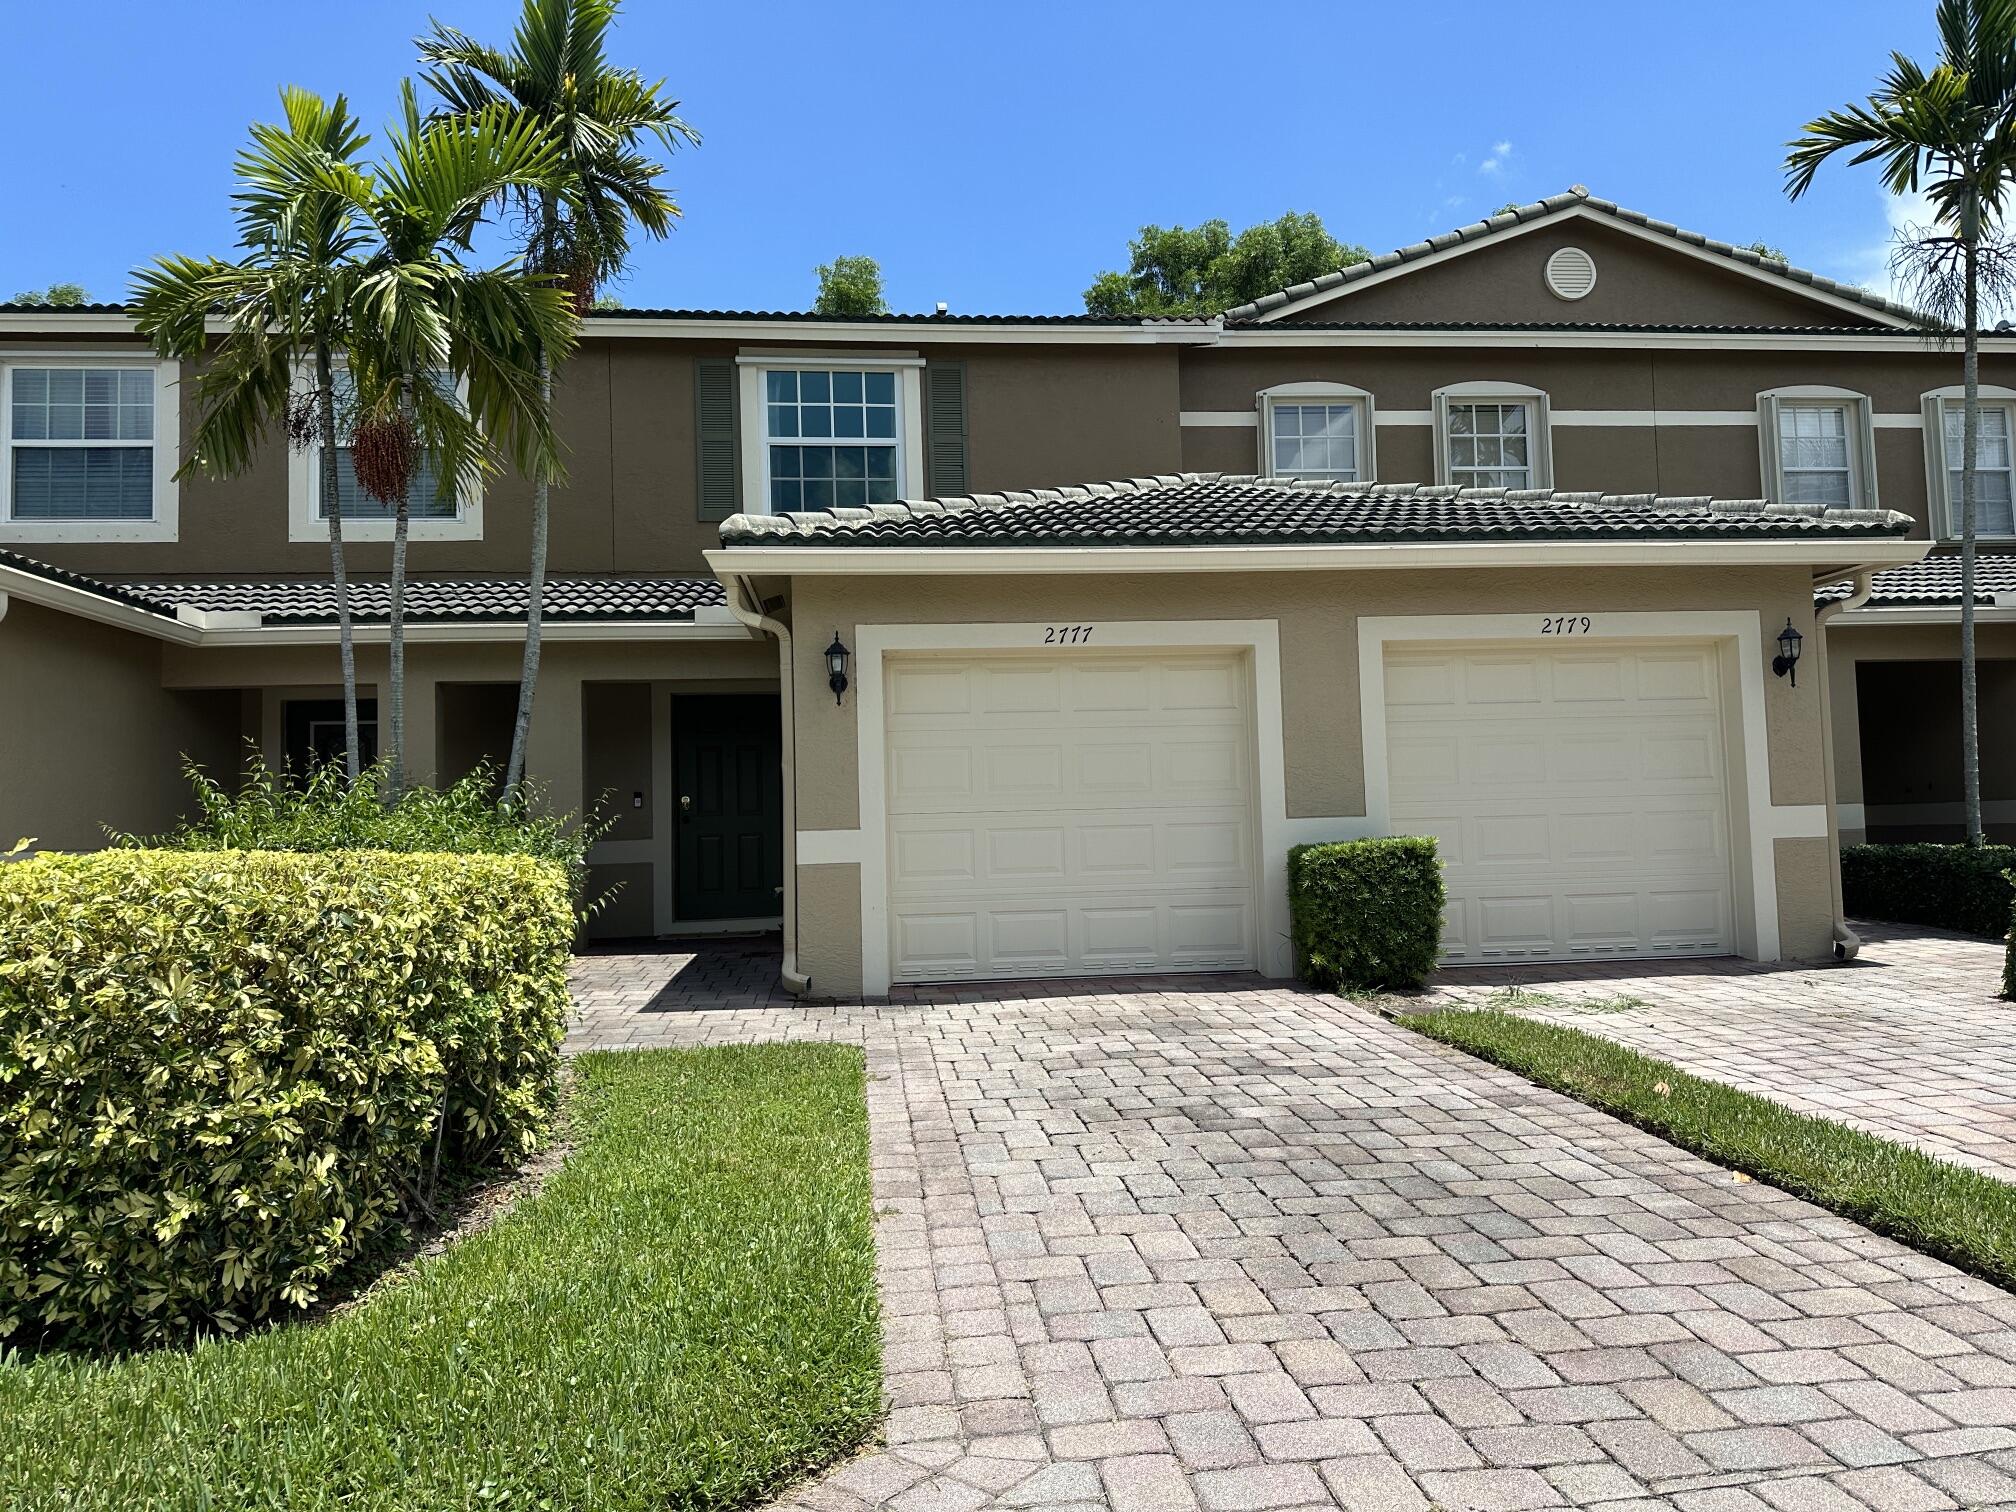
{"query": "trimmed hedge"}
(224, 1075)
(1366, 913)
(1947, 886)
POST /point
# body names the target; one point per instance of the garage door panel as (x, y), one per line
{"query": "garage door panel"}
(1578, 797)
(1089, 815)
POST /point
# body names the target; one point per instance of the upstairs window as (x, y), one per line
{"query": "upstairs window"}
(1490, 446)
(1994, 461)
(1318, 431)
(1816, 447)
(1493, 435)
(83, 443)
(1813, 454)
(86, 454)
(431, 517)
(423, 496)
(829, 432)
(832, 437)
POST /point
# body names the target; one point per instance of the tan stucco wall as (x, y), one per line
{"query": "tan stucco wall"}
(1805, 897)
(88, 736)
(829, 918)
(1318, 612)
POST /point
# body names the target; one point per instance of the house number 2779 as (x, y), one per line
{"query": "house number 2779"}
(1067, 635)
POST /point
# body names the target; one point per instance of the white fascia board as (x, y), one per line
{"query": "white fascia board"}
(1923, 614)
(476, 634)
(889, 561)
(1595, 217)
(31, 589)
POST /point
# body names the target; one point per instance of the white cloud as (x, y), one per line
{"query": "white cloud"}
(1869, 264)
(1495, 160)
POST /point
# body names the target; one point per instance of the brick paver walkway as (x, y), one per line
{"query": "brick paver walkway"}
(1910, 1042)
(1219, 1243)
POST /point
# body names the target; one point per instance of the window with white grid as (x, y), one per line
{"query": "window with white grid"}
(833, 438)
(1319, 441)
(1994, 475)
(1490, 445)
(80, 443)
(1816, 455)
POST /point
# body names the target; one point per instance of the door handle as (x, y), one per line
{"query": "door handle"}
(685, 806)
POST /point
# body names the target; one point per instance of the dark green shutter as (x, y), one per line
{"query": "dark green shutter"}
(720, 458)
(945, 427)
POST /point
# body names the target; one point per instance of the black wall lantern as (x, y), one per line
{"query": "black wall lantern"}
(836, 667)
(1786, 662)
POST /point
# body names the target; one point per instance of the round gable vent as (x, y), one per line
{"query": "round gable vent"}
(1571, 273)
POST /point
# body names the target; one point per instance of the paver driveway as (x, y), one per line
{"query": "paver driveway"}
(1910, 1042)
(1221, 1243)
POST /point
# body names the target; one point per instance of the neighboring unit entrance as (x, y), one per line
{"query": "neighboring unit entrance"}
(1069, 813)
(1579, 797)
(727, 770)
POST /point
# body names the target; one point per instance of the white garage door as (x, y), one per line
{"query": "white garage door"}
(1578, 797)
(1068, 815)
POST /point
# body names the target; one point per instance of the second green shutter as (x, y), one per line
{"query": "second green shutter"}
(945, 428)
(714, 439)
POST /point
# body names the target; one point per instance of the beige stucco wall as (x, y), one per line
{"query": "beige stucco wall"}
(1322, 736)
(88, 736)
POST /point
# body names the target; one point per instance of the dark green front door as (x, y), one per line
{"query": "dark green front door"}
(728, 857)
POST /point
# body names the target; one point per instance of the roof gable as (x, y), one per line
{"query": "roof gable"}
(1648, 272)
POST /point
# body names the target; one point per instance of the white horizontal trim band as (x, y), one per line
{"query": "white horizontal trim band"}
(829, 847)
(1230, 419)
(1623, 418)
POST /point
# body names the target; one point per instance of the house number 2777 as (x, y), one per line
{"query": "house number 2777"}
(1067, 635)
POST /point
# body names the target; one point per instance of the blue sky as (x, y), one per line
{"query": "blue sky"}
(998, 155)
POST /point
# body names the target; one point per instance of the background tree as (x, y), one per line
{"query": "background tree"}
(577, 228)
(289, 317)
(1949, 134)
(1205, 269)
(850, 286)
(58, 296)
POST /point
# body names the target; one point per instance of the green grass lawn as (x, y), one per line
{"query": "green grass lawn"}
(683, 1316)
(1960, 1215)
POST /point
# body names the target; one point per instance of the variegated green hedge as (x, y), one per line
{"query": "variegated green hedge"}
(223, 1074)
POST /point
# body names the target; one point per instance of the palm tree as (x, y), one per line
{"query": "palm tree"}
(360, 271)
(604, 119)
(286, 300)
(429, 326)
(1949, 134)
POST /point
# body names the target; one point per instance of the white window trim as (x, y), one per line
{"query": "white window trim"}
(755, 427)
(1934, 403)
(1861, 439)
(1321, 393)
(304, 524)
(164, 525)
(1539, 422)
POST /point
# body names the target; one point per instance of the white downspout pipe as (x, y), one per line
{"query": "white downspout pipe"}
(747, 607)
(1861, 584)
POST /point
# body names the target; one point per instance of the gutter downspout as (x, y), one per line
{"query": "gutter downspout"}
(1862, 583)
(747, 607)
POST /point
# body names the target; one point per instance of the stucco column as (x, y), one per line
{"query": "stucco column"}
(423, 719)
(553, 754)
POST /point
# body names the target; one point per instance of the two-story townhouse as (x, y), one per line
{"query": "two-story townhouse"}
(1006, 646)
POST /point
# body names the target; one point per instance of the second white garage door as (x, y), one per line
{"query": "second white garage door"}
(1579, 797)
(1069, 815)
